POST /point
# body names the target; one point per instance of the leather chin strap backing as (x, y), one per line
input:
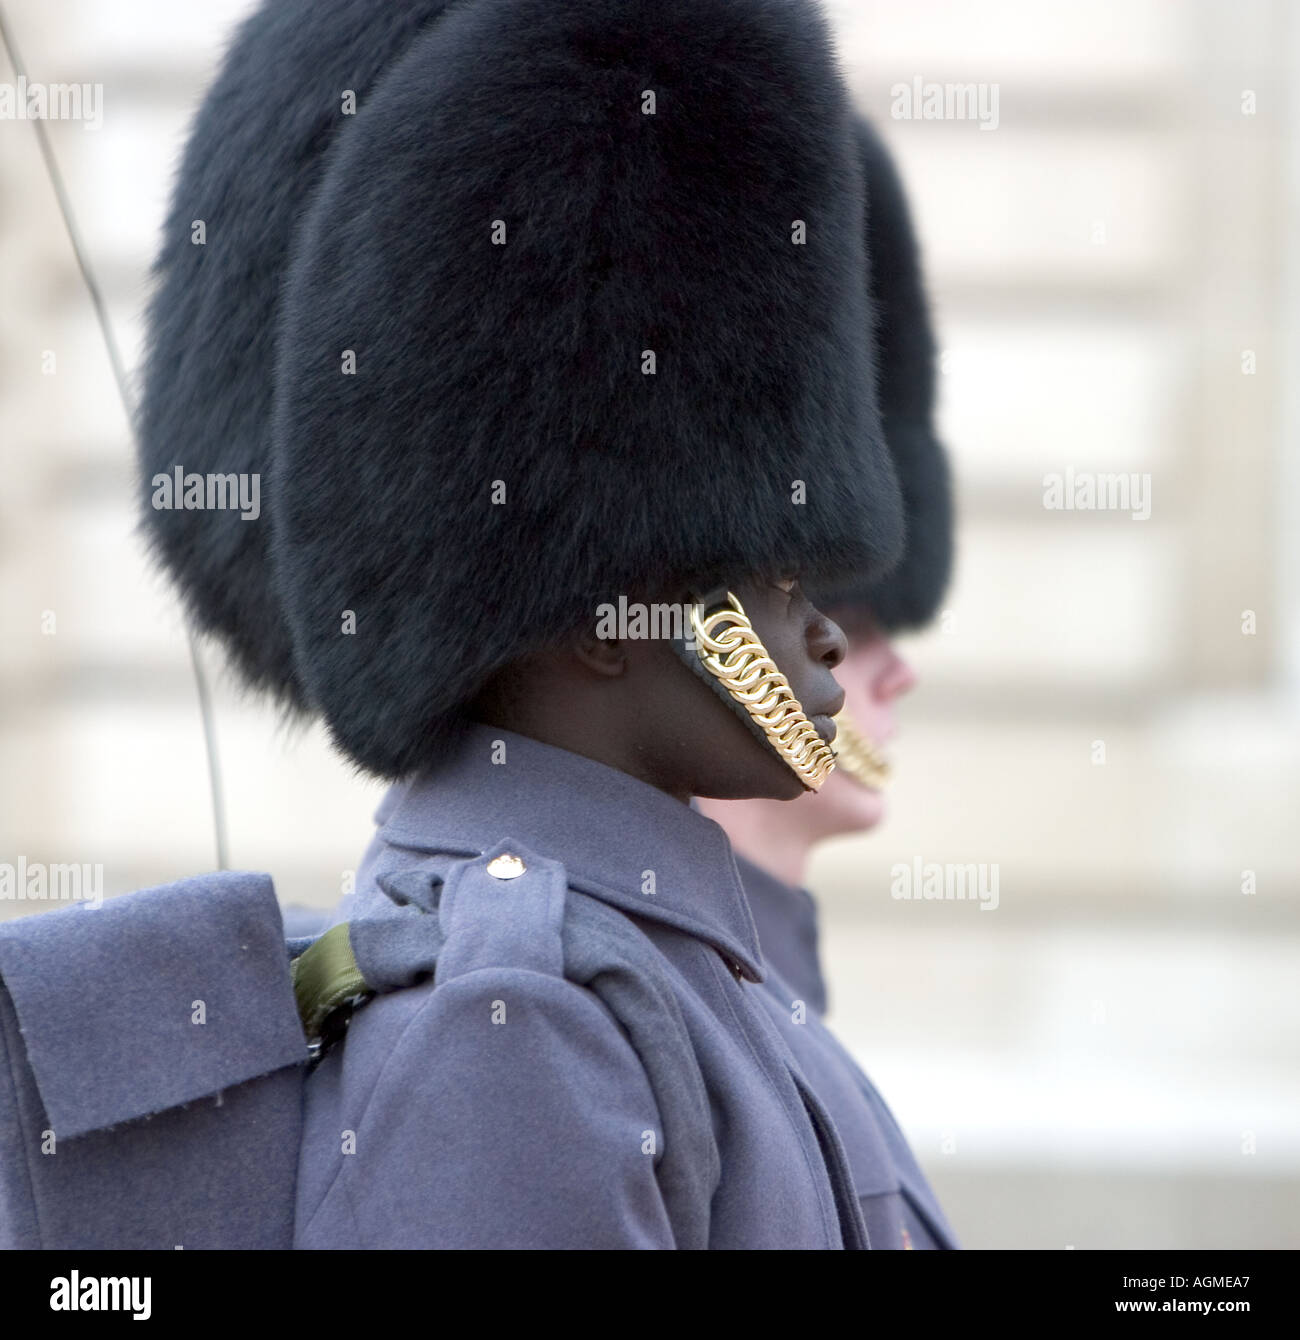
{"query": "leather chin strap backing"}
(728, 654)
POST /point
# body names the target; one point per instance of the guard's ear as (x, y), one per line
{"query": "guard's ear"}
(603, 656)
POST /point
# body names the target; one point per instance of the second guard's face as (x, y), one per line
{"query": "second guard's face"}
(729, 759)
(874, 676)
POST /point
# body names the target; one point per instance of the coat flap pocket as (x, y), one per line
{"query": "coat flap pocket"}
(153, 999)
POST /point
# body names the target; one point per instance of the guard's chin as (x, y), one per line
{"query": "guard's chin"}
(786, 786)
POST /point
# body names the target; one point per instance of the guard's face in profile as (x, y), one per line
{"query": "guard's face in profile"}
(728, 758)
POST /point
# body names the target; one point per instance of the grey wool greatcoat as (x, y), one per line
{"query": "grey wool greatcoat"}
(502, 1103)
(575, 1053)
(898, 1204)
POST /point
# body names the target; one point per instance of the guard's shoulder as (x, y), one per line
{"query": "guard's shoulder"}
(504, 909)
(448, 928)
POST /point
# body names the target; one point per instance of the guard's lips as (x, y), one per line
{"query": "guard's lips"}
(824, 725)
(824, 720)
(829, 709)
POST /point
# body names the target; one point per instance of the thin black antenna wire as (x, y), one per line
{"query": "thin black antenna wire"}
(128, 404)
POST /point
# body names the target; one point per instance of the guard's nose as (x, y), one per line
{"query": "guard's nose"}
(826, 641)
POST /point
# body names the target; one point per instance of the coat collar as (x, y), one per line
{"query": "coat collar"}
(786, 920)
(615, 836)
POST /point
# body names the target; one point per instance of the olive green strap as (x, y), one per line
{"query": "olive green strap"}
(325, 975)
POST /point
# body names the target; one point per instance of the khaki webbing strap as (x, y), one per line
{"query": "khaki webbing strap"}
(325, 976)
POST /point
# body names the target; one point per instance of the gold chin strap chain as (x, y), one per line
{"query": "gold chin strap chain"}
(856, 754)
(733, 654)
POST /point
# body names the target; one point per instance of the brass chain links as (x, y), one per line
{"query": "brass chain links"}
(733, 653)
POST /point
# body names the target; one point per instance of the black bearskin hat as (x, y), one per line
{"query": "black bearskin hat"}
(574, 305)
(908, 596)
(255, 154)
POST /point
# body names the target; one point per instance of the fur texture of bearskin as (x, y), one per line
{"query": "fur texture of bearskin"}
(255, 154)
(502, 243)
(908, 596)
(481, 367)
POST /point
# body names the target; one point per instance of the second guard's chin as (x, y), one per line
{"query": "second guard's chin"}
(853, 809)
